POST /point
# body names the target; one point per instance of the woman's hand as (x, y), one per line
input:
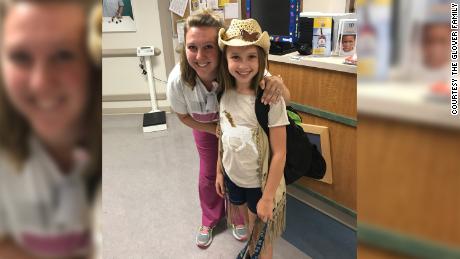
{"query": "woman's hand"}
(273, 87)
(220, 189)
(265, 209)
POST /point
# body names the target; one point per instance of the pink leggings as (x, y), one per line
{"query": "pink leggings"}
(212, 205)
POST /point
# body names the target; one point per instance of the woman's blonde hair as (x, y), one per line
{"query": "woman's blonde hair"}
(15, 130)
(203, 19)
(227, 81)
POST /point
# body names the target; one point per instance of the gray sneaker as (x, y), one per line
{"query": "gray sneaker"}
(204, 237)
(240, 232)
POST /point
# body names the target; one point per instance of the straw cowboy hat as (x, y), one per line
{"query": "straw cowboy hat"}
(244, 33)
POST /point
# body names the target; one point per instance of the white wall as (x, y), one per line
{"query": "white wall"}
(122, 76)
(325, 6)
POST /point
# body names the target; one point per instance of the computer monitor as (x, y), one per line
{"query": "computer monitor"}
(280, 19)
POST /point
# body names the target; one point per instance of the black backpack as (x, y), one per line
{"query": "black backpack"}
(302, 157)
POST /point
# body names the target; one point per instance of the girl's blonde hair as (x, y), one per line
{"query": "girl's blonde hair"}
(15, 130)
(203, 19)
(227, 81)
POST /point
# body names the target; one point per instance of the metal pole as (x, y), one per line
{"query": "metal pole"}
(153, 98)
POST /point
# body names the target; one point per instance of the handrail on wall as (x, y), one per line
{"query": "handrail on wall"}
(128, 52)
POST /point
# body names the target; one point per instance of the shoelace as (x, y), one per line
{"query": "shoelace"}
(239, 226)
(205, 230)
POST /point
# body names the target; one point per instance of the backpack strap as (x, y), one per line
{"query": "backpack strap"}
(262, 111)
(244, 253)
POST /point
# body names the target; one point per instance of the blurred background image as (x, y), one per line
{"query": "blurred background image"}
(408, 180)
(50, 128)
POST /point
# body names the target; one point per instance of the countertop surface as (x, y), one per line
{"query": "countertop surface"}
(406, 101)
(331, 63)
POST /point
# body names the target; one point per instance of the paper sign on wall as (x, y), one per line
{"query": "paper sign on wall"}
(223, 2)
(196, 6)
(178, 7)
(213, 4)
(180, 32)
(231, 11)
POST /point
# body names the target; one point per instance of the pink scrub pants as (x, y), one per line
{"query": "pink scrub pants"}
(212, 205)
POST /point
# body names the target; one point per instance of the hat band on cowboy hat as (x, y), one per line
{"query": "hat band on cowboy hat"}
(242, 33)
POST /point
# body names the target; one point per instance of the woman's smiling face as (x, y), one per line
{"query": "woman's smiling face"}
(202, 51)
(44, 64)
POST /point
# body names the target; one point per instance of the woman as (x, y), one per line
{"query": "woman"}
(50, 133)
(192, 91)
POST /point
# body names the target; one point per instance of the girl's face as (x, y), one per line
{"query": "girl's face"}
(202, 51)
(44, 65)
(243, 63)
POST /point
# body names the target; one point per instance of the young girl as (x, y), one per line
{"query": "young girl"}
(192, 92)
(251, 164)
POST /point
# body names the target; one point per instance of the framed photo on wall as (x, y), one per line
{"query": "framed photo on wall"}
(117, 16)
